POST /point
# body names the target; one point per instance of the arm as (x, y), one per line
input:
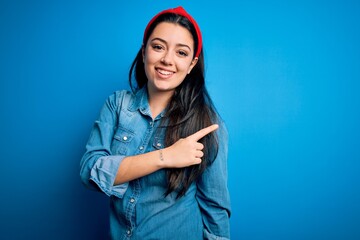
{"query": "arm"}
(134, 167)
(213, 196)
(98, 167)
(185, 152)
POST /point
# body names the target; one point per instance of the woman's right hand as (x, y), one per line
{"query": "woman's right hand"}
(186, 151)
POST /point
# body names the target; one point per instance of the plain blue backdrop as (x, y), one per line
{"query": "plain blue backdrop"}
(283, 74)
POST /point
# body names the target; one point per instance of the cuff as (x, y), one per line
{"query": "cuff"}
(103, 175)
(210, 236)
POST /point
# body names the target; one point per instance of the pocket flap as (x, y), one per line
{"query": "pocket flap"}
(123, 135)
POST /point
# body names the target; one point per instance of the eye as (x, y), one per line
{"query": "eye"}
(183, 53)
(157, 47)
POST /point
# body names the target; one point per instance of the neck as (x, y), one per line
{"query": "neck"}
(158, 101)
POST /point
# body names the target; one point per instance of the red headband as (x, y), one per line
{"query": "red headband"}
(179, 11)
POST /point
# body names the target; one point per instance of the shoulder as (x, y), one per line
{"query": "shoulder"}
(120, 98)
(222, 124)
(223, 131)
(123, 94)
(222, 134)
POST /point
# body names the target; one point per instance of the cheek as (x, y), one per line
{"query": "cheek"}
(150, 59)
(148, 62)
(147, 67)
(186, 67)
(148, 71)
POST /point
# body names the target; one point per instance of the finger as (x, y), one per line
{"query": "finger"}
(197, 160)
(199, 154)
(203, 132)
(199, 146)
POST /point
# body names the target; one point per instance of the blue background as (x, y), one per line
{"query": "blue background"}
(284, 75)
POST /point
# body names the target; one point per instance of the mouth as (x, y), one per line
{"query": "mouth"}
(164, 72)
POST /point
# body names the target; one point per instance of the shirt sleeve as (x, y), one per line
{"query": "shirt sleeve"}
(213, 195)
(98, 167)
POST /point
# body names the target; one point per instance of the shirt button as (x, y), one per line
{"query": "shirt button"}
(125, 138)
(132, 200)
(141, 148)
(158, 144)
(128, 232)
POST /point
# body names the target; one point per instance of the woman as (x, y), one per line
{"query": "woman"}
(160, 151)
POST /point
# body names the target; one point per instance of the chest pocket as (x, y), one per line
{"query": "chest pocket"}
(122, 141)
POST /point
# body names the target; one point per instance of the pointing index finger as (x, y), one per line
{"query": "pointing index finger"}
(203, 132)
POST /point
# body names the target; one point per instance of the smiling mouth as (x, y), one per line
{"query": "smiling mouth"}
(164, 72)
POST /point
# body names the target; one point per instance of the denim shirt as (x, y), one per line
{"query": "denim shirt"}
(139, 209)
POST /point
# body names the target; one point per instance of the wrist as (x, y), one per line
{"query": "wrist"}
(162, 157)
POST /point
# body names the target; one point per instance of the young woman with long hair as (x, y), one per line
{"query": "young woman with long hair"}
(160, 150)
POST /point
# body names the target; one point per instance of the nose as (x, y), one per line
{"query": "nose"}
(167, 58)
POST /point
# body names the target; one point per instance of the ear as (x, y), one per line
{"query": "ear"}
(193, 63)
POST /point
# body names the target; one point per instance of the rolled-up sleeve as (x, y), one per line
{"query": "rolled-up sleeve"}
(213, 195)
(98, 167)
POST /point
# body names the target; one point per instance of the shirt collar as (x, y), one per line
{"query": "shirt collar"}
(141, 102)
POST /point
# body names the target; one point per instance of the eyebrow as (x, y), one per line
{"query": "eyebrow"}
(178, 44)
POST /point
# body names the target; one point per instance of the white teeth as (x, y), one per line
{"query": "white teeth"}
(164, 72)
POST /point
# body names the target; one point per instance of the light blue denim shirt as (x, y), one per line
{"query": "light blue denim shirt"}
(138, 209)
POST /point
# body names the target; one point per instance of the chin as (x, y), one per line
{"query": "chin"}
(163, 87)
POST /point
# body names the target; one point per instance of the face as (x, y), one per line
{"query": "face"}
(168, 57)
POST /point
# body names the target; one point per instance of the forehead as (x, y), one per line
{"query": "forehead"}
(172, 33)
